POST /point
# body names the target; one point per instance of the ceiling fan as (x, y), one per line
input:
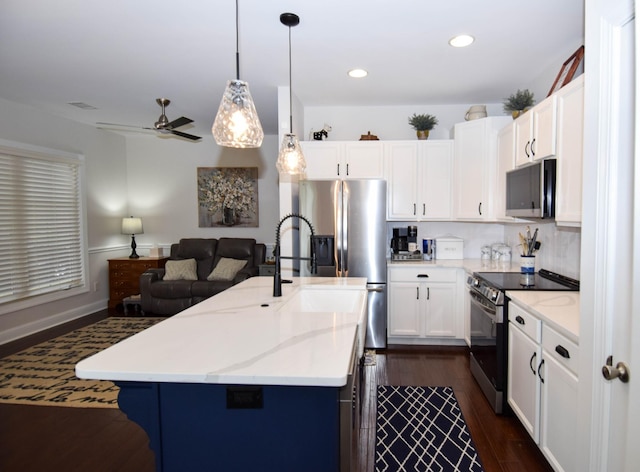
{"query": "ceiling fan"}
(163, 125)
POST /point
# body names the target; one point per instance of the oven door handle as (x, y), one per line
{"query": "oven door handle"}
(475, 299)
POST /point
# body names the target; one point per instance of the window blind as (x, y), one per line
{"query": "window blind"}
(41, 240)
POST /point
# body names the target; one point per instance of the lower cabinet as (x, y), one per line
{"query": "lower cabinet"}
(543, 386)
(423, 305)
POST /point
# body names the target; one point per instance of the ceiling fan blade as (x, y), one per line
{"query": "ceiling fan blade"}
(185, 135)
(102, 123)
(178, 123)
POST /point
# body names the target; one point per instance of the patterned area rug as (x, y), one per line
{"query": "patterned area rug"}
(45, 374)
(422, 429)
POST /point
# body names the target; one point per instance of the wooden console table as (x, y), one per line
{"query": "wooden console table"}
(124, 277)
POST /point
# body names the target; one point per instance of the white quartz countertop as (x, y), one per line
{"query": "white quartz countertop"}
(246, 336)
(561, 310)
(469, 265)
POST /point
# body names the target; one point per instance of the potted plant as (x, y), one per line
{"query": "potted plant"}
(518, 103)
(422, 124)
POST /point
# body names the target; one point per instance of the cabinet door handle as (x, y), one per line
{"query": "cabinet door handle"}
(347, 169)
(338, 166)
(533, 152)
(423, 276)
(526, 150)
(417, 293)
(540, 367)
(531, 363)
(562, 351)
(480, 208)
(520, 320)
(414, 209)
(428, 294)
(424, 209)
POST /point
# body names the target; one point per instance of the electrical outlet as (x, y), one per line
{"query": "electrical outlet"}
(95, 286)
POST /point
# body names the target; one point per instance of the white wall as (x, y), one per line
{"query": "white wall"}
(162, 187)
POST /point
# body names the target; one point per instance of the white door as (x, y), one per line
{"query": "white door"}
(609, 419)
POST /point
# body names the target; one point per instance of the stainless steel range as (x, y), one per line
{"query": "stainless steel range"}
(489, 324)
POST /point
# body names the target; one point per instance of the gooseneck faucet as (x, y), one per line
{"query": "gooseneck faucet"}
(277, 277)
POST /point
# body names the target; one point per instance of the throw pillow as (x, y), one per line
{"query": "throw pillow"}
(226, 269)
(180, 270)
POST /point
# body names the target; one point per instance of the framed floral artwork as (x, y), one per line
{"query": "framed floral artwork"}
(227, 196)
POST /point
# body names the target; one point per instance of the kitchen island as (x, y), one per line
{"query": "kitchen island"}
(246, 381)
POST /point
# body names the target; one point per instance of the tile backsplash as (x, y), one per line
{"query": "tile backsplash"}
(559, 250)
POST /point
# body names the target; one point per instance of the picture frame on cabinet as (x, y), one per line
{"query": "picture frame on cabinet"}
(568, 70)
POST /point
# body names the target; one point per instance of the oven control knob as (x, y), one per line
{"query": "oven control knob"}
(494, 295)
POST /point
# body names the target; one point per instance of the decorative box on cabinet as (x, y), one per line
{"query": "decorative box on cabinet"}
(419, 178)
(536, 132)
(343, 159)
(570, 107)
(423, 305)
(124, 276)
(475, 156)
(543, 386)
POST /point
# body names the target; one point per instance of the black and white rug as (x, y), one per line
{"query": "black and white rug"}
(422, 429)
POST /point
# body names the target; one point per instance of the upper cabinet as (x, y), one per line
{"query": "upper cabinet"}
(569, 156)
(328, 160)
(506, 162)
(475, 152)
(535, 132)
(419, 176)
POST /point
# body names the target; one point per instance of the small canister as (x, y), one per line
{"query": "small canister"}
(428, 249)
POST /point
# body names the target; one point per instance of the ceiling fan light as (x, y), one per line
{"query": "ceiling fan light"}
(237, 124)
(290, 159)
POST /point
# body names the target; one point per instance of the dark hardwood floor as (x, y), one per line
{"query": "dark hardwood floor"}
(42, 438)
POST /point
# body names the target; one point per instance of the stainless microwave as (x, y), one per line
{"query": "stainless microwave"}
(531, 190)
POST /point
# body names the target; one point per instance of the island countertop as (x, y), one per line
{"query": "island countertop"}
(246, 336)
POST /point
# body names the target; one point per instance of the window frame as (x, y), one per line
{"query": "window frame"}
(43, 153)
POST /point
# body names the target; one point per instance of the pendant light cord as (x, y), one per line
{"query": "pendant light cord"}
(290, 89)
(237, 43)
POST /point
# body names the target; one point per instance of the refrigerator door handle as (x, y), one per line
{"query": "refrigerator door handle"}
(337, 211)
(345, 229)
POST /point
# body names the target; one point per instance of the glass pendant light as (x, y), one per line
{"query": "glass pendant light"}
(290, 159)
(237, 124)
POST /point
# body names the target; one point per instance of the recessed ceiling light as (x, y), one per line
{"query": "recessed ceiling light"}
(461, 41)
(357, 73)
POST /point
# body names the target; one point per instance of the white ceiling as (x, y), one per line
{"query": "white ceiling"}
(120, 55)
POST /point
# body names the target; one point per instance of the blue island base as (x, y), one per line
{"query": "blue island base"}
(207, 427)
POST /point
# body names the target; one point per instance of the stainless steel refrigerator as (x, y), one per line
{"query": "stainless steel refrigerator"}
(349, 220)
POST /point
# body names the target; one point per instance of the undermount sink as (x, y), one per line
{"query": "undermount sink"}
(316, 301)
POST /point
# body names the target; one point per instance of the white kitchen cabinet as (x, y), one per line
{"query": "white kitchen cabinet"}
(559, 409)
(536, 132)
(343, 159)
(523, 384)
(423, 304)
(475, 156)
(569, 156)
(506, 162)
(543, 386)
(419, 178)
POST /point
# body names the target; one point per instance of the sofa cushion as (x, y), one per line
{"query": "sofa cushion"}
(202, 250)
(226, 269)
(202, 289)
(236, 248)
(171, 289)
(180, 270)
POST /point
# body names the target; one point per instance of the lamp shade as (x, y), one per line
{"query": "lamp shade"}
(237, 124)
(290, 159)
(132, 226)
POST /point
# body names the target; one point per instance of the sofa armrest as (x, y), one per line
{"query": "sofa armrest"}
(146, 279)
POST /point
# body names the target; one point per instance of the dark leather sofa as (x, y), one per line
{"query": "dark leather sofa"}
(168, 297)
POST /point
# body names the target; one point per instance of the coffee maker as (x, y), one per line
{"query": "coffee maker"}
(399, 242)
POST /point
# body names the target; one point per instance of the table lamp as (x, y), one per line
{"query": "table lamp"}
(132, 226)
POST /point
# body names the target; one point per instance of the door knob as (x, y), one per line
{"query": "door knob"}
(620, 371)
